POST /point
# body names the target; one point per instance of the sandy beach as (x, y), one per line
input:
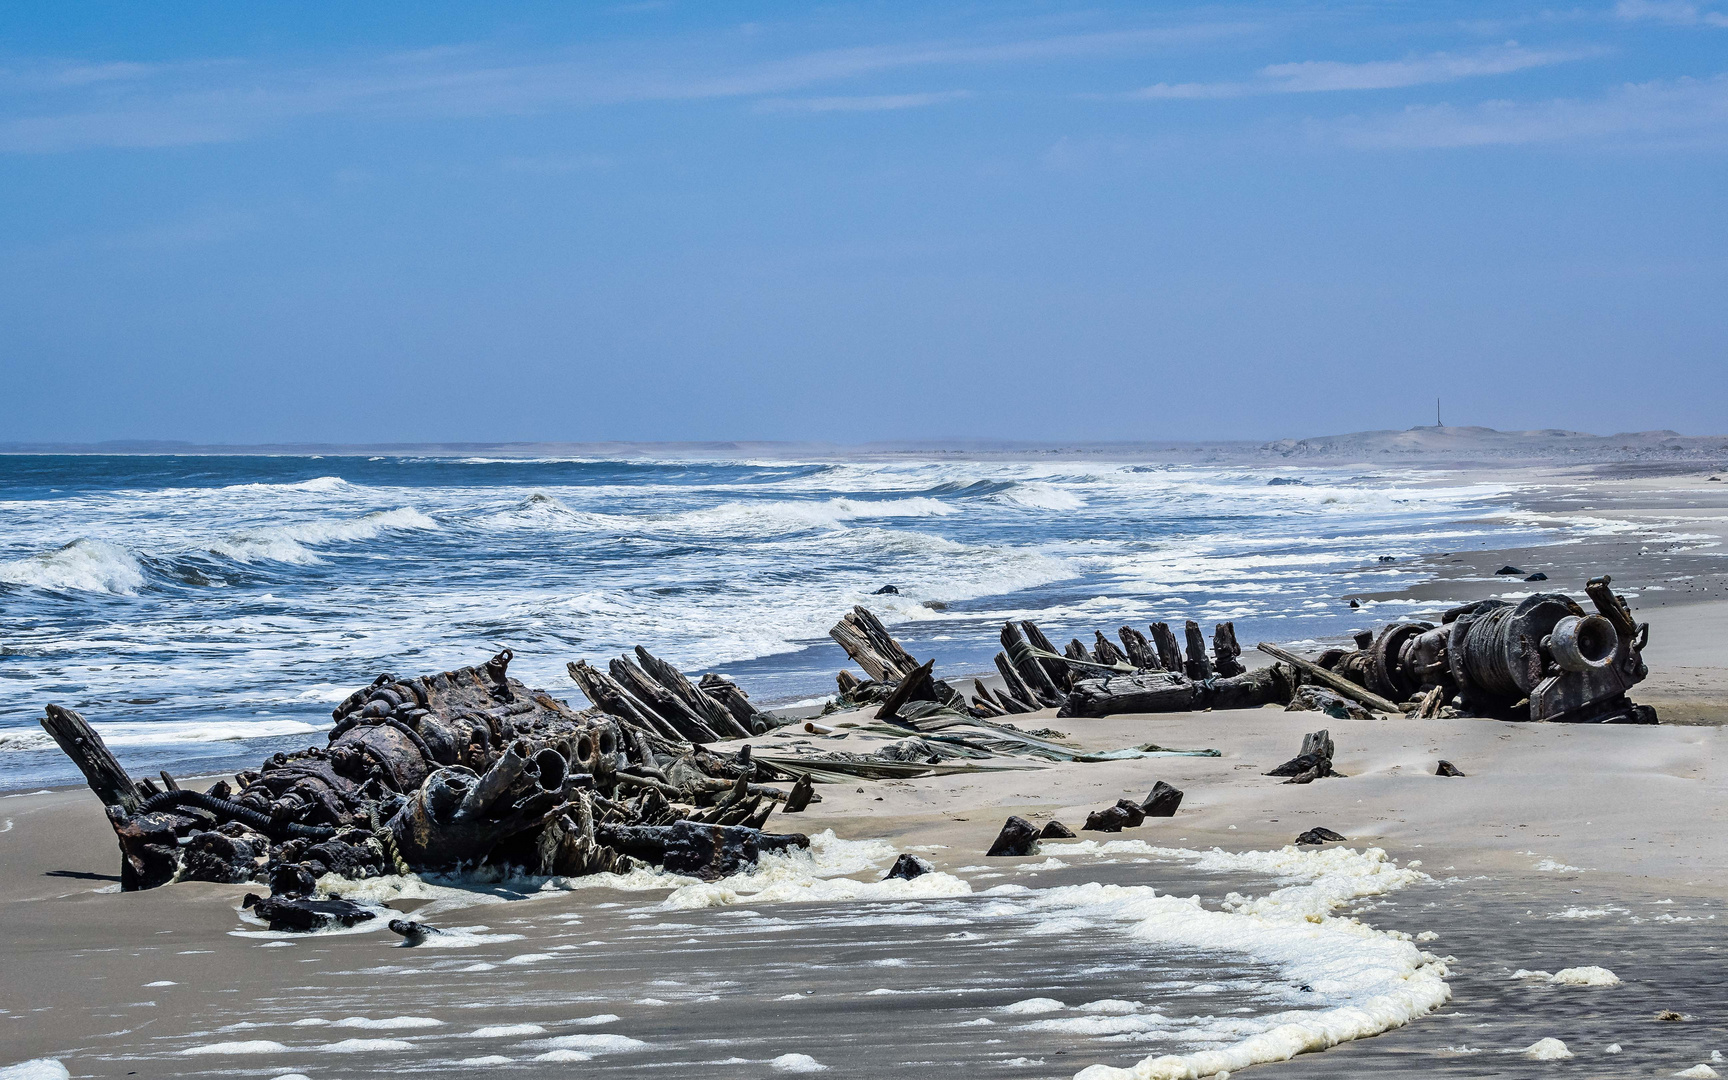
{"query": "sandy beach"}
(1561, 847)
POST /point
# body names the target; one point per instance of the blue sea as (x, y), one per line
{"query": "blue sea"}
(206, 611)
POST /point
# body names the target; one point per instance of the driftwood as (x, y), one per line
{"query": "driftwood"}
(662, 702)
(1033, 675)
(1137, 649)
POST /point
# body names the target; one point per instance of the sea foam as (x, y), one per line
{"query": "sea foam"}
(37, 1069)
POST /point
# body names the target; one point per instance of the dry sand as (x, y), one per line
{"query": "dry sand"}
(1561, 846)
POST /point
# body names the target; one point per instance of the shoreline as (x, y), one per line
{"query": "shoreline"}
(1561, 846)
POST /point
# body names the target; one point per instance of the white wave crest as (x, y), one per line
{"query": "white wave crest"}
(1037, 495)
(286, 543)
(84, 565)
(167, 732)
(322, 483)
(766, 518)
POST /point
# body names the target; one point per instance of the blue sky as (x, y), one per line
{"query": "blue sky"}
(859, 221)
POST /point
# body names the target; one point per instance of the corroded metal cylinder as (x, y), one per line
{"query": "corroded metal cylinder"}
(1583, 643)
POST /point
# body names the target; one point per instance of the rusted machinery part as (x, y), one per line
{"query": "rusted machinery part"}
(1387, 675)
(1583, 642)
(1495, 655)
(233, 811)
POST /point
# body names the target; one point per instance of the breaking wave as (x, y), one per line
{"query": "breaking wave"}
(166, 732)
(84, 565)
(322, 483)
(287, 543)
(1035, 495)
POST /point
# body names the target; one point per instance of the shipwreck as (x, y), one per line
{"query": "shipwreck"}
(471, 768)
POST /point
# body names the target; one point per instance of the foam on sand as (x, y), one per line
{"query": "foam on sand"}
(1547, 1050)
(818, 873)
(1364, 981)
(358, 1046)
(389, 1022)
(1700, 1070)
(36, 1069)
(1572, 976)
(253, 1046)
(593, 1044)
(799, 1063)
(1370, 980)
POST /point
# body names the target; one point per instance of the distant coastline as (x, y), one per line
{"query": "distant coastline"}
(1428, 445)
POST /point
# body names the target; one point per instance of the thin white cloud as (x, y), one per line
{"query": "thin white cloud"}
(1686, 111)
(1322, 76)
(174, 105)
(860, 103)
(1673, 12)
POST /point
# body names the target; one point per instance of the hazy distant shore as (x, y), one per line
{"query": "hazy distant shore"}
(1432, 445)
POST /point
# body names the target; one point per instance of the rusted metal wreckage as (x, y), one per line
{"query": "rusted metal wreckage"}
(471, 767)
(1543, 658)
(460, 769)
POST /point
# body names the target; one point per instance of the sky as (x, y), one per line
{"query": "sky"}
(858, 221)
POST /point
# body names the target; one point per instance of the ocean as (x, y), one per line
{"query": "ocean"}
(206, 611)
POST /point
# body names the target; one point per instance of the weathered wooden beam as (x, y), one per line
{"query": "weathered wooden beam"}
(1337, 682)
(1226, 653)
(1198, 666)
(101, 769)
(1031, 672)
(1169, 653)
(717, 716)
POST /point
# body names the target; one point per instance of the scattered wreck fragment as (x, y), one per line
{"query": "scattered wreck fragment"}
(1543, 658)
(458, 769)
(1312, 763)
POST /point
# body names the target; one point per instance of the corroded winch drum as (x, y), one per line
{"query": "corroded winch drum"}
(1496, 655)
(1544, 654)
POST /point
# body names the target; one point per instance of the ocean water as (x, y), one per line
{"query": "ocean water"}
(206, 610)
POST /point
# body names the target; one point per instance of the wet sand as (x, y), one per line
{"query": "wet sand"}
(1562, 846)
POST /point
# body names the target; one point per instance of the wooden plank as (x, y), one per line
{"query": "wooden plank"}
(101, 769)
(1326, 678)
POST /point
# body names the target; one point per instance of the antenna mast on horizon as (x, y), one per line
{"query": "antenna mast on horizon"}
(1437, 421)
